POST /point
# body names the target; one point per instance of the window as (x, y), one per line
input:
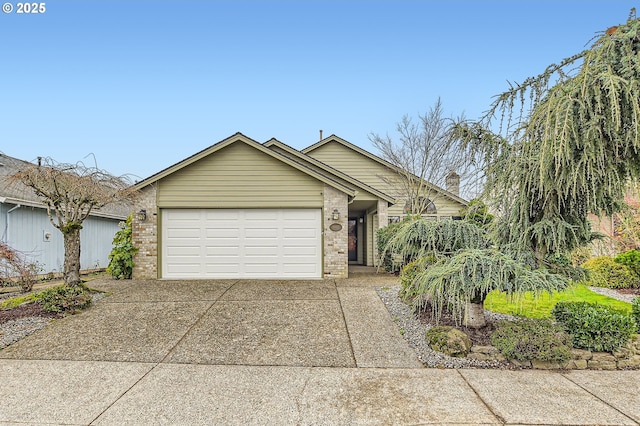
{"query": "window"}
(394, 219)
(426, 204)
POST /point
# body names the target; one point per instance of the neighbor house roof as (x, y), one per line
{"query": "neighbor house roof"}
(18, 193)
(337, 139)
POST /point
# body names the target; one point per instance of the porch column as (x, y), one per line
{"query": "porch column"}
(145, 236)
(335, 241)
(383, 220)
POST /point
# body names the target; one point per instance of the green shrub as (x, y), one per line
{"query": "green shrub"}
(532, 339)
(64, 298)
(635, 312)
(409, 289)
(630, 259)
(121, 256)
(383, 236)
(605, 272)
(594, 327)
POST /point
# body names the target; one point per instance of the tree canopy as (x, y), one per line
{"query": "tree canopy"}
(70, 193)
(568, 144)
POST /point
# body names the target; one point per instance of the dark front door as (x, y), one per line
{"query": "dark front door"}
(353, 240)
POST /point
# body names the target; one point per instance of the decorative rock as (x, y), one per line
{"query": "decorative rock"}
(548, 365)
(480, 356)
(520, 364)
(631, 362)
(486, 350)
(449, 340)
(577, 364)
(581, 354)
(603, 357)
(602, 361)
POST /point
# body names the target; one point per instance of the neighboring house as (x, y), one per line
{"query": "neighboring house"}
(241, 209)
(25, 226)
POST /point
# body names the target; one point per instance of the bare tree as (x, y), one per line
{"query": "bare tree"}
(15, 268)
(423, 155)
(70, 193)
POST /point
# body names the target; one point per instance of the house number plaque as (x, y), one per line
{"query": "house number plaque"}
(335, 227)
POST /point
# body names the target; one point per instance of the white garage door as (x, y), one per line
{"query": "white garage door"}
(241, 243)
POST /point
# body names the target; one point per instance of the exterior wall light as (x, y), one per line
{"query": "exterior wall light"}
(335, 215)
(142, 215)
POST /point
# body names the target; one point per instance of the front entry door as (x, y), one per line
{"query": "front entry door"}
(353, 240)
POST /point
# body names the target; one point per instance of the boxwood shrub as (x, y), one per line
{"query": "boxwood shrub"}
(594, 327)
(532, 339)
(631, 259)
(605, 272)
(635, 312)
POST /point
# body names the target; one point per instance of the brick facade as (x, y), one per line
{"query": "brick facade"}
(335, 245)
(145, 236)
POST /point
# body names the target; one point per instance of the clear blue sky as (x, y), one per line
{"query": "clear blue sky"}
(144, 84)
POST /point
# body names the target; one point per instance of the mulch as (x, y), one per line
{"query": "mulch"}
(629, 291)
(26, 311)
(478, 336)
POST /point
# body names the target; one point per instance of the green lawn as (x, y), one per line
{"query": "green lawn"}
(528, 306)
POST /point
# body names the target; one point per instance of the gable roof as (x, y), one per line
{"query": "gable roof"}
(240, 138)
(273, 142)
(367, 154)
(20, 194)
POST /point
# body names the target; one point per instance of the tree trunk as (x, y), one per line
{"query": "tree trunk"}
(474, 313)
(72, 257)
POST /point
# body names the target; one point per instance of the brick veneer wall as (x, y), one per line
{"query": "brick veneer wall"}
(336, 255)
(145, 236)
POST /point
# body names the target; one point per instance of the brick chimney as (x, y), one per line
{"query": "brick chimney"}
(453, 183)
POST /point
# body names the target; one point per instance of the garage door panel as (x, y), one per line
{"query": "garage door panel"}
(222, 251)
(292, 252)
(229, 232)
(241, 243)
(183, 251)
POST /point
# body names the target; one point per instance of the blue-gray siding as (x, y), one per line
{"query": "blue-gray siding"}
(25, 229)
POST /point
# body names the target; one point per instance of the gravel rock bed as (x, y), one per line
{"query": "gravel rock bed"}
(414, 333)
(14, 330)
(613, 294)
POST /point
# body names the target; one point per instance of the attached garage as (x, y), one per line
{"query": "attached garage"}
(241, 243)
(240, 209)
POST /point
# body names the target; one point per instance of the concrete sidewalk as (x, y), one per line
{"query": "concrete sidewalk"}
(274, 352)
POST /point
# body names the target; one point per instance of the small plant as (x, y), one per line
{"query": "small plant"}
(16, 301)
(631, 259)
(594, 327)
(15, 269)
(635, 312)
(532, 339)
(607, 273)
(121, 256)
(65, 298)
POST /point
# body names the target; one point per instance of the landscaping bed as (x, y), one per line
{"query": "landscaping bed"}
(482, 354)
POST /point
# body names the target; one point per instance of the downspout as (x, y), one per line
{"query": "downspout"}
(6, 224)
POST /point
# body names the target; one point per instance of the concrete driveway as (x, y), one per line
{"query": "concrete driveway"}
(273, 352)
(276, 323)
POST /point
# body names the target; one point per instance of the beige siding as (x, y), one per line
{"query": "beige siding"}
(239, 176)
(362, 194)
(376, 175)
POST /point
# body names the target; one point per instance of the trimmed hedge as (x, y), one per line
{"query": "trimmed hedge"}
(635, 312)
(532, 339)
(606, 272)
(594, 327)
(631, 259)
